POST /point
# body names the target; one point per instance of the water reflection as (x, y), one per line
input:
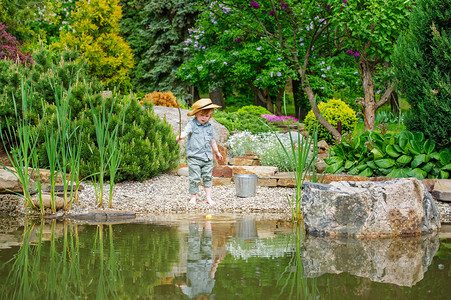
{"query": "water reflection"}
(401, 261)
(239, 258)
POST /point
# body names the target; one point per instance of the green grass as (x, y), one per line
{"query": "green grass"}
(392, 128)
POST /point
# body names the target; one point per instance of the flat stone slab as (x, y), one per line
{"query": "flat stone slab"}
(104, 215)
(442, 190)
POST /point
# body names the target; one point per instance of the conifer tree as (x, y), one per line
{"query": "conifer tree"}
(423, 67)
(156, 31)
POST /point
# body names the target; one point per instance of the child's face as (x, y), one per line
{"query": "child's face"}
(203, 116)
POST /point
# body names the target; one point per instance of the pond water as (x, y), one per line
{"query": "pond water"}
(222, 257)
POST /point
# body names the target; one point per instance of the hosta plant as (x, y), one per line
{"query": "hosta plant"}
(405, 154)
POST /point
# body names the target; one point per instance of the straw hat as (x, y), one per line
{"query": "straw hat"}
(202, 104)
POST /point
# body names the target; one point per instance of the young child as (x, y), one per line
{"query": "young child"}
(199, 147)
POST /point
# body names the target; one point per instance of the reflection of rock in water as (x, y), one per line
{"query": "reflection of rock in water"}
(246, 228)
(401, 261)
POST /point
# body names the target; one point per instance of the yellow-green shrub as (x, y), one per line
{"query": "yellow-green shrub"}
(96, 36)
(337, 110)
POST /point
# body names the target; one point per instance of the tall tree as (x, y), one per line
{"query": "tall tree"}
(156, 31)
(423, 66)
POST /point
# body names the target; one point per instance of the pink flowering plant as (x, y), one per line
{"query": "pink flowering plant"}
(281, 120)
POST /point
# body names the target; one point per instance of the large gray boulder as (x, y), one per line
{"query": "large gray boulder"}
(397, 207)
(401, 261)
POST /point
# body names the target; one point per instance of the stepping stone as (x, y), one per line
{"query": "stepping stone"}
(442, 190)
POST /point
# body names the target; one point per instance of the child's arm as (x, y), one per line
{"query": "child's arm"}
(181, 136)
(214, 146)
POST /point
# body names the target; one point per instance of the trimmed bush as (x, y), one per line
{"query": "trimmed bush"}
(236, 121)
(335, 110)
(253, 109)
(159, 99)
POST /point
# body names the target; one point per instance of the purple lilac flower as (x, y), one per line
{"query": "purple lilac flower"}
(302, 44)
(355, 73)
(225, 63)
(322, 88)
(356, 54)
(238, 40)
(279, 59)
(259, 48)
(271, 13)
(200, 68)
(279, 74)
(254, 5)
(323, 75)
(272, 74)
(378, 91)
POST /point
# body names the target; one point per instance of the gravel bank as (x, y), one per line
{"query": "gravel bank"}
(168, 194)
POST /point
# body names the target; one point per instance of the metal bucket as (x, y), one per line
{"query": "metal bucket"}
(246, 185)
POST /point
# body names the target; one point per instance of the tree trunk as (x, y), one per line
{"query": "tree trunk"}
(311, 97)
(194, 94)
(299, 99)
(217, 97)
(262, 97)
(278, 110)
(369, 109)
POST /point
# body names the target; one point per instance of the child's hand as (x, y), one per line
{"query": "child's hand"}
(219, 156)
(178, 138)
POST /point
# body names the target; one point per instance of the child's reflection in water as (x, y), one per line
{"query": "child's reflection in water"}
(200, 269)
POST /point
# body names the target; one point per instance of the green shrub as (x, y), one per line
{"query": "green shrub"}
(236, 121)
(422, 65)
(253, 109)
(149, 146)
(405, 154)
(336, 111)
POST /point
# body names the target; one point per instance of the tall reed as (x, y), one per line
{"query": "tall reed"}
(68, 144)
(109, 151)
(22, 137)
(303, 157)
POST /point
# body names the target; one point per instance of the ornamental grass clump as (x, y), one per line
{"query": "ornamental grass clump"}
(265, 145)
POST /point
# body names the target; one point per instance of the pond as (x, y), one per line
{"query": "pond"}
(214, 257)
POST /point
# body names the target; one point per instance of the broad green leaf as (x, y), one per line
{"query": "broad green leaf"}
(435, 155)
(334, 159)
(418, 160)
(377, 154)
(353, 171)
(367, 172)
(371, 164)
(429, 146)
(398, 149)
(399, 173)
(385, 171)
(427, 167)
(446, 167)
(444, 174)
(361, 166)
(333, 168)
(390, 149)
(404, 159)
(418, 137)
(394, 173)
(418, 173)
(385, 163)
(415, 147)
(445, 156)
(348, 164)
